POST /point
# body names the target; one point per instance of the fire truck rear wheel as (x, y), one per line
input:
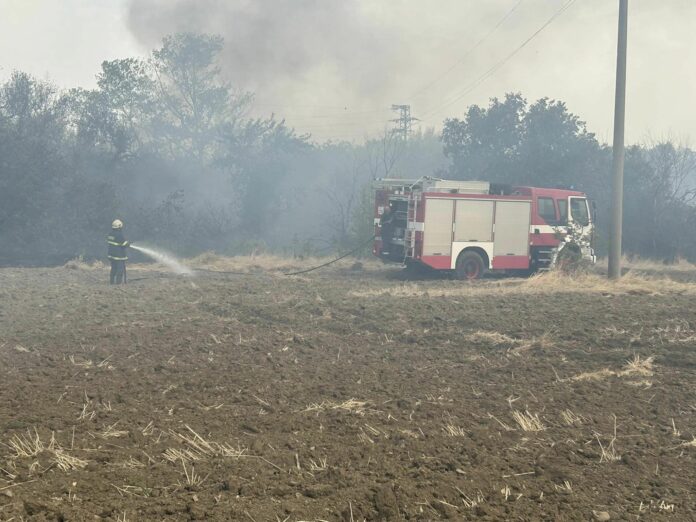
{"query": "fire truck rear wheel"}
(470, 266)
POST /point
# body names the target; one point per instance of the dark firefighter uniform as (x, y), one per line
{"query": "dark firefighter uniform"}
(117, 255)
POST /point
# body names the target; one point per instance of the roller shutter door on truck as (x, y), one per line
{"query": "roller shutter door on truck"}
(512, 228)
(437, 235)
(474, 221)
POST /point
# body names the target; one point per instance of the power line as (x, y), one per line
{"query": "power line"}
(320, 118)
(462, 60)
(329, 121)
(303, 106)
(498, 65)
(337, 125)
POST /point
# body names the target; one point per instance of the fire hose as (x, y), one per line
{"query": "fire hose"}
(361, 245)
(299, 272)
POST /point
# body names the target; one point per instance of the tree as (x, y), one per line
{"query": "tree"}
(556, 148)
(259, 155)
(196, 104)
(485, 144)
(659, 201)
(513, 142)
(29, 154)
(48, 203)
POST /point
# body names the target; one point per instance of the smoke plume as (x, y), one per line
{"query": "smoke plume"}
(334, 67)
(271, 41)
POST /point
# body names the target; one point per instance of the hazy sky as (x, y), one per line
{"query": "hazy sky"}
(333, 67)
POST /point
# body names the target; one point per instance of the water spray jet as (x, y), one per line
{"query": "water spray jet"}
(166, 259)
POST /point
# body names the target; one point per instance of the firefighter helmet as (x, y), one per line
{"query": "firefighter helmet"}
(117, 224)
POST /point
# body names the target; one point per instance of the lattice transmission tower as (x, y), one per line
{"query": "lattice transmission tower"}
(404, 123)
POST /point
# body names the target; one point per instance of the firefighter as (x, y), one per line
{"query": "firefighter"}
(117, 253)
(386, 224)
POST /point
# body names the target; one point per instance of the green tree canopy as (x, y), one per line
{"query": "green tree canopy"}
(511, 141)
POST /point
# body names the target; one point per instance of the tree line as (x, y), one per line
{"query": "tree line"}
(167, 144)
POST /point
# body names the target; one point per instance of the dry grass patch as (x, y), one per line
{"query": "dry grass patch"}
(608, 452)
(318, 465)
(515, 346)
(111, 432)
(193, 479)
(677, 332)
(454, 431)
(691, 443)
(636, 367)
(251, 263)
(26, 446)
(637, 263)
(553, 282)
(80, 264)
(432, 290)
(566, 487)
(268, 263)
(350, 406)
(640, 382)
(67, 462)
(528, 421)
(30, 446)
(570, 418)
(132, 463)
(197, 448)
(631, 283)
(597, 375)
(82, 363)
(471, 503)
(492, 338)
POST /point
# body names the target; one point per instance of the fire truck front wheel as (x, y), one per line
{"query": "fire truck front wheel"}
(470, 266)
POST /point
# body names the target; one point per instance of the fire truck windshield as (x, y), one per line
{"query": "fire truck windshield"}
(579, 211)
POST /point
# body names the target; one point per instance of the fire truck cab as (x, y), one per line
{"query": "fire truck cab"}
(473, 227)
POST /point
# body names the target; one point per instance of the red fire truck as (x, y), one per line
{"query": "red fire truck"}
(473, 227)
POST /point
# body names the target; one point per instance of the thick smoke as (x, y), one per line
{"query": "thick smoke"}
(308, 59)
(271, 41)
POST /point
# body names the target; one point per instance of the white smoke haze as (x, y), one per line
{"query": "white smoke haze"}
(334, 67)
(271, 40)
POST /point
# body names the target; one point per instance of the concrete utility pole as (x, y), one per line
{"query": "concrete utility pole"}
(618, 160)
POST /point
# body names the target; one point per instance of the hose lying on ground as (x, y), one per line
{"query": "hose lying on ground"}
(361, 245)
(305, 271)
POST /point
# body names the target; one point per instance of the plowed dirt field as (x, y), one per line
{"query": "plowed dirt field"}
(345, 395)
